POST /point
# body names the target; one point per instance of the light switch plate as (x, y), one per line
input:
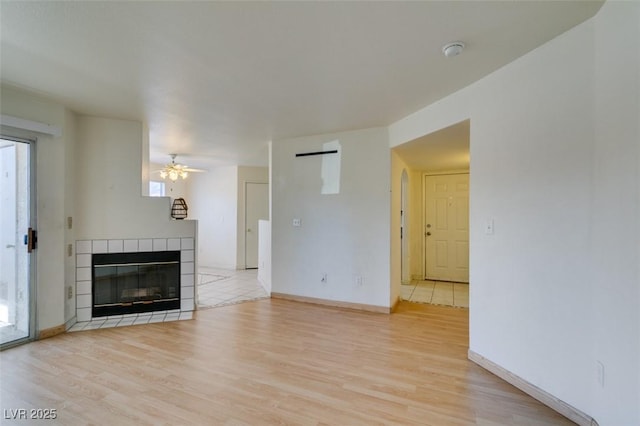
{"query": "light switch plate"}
(488, 227)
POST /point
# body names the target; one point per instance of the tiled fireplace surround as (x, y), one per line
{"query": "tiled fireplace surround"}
(84, 250)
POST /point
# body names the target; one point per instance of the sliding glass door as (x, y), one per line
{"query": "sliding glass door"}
(17, 241)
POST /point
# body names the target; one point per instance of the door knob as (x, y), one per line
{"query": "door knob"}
(428, 234)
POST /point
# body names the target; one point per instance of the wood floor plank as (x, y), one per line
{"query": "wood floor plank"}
(269, 362)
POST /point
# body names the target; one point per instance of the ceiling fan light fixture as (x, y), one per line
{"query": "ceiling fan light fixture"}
(175, 171)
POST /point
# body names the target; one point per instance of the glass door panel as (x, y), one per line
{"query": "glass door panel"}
(15, 217)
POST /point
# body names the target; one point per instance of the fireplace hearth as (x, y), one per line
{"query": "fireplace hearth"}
(126, 283)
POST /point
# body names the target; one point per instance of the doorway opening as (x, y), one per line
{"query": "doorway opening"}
(17, 241)
(256, 209)
(436, 201)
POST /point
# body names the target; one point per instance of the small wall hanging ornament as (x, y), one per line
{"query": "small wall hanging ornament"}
(179, 209)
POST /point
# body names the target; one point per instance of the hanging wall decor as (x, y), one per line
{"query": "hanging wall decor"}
(179, 208)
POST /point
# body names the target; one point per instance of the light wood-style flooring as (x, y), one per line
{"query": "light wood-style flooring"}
(269, 362)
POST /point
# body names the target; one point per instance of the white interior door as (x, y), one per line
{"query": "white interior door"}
(256, 208)
(447, 227)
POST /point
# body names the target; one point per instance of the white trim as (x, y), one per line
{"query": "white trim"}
(447, 172)
(544, 397)
(34, 126)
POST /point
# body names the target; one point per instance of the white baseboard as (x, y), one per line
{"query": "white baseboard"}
(544, 397)
(333, 303)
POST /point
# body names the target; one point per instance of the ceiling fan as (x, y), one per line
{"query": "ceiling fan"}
(174, 170)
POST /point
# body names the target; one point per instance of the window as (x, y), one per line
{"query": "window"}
(156, 189)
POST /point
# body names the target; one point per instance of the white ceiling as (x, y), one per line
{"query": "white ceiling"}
(446, 149)
(215, 81)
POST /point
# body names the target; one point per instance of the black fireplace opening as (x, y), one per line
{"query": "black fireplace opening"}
(127, 283)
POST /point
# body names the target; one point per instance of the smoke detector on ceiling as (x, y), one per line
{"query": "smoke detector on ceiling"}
(453, 49)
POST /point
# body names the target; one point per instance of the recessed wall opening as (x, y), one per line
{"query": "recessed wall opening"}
(433, 175)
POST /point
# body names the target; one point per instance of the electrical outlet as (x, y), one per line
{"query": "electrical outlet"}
(323, 280)
(359, 281)
(297, 223)
(69, 292)
(70, 250)
(69, 222)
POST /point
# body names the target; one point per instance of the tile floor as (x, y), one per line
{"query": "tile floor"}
(220, 287)
(437, 293)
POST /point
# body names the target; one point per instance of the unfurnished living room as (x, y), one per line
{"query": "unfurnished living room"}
(337, 213)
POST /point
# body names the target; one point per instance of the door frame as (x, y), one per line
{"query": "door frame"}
(424, 210)
(246, 204)
(405, 258)
(31, 140)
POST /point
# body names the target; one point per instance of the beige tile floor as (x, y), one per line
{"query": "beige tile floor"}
(220, 287)
(436, 293)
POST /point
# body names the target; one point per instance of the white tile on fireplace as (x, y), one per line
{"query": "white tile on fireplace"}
(83, 301)
(186, 292)
(173, 311)
(111, 323)
(83, 274)
(116, 246)
(172, 317)
(187, 255)
(130, 316)
(83, 314)
(83, 287)
(114, 317)
(187, 280)
(141, 320)
(83, 246)
(94, 324)
(187, 268)
(83, 260)
(77, 327)
(126, 321)
(145, 245)
(186, 316)
(159, 244)
(145, 314)
(173, 244)
(130, 246)
(157, 318)
(187, 244)
(186, 304)
(100, 246)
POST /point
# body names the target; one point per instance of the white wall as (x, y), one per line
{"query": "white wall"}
(554, 162)
(213, 201)
(397, 167)
(343, 235)
(416, 224)
(264, 255)
(53, 199)
(109, 184)
(70, 176)
(615, 213)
